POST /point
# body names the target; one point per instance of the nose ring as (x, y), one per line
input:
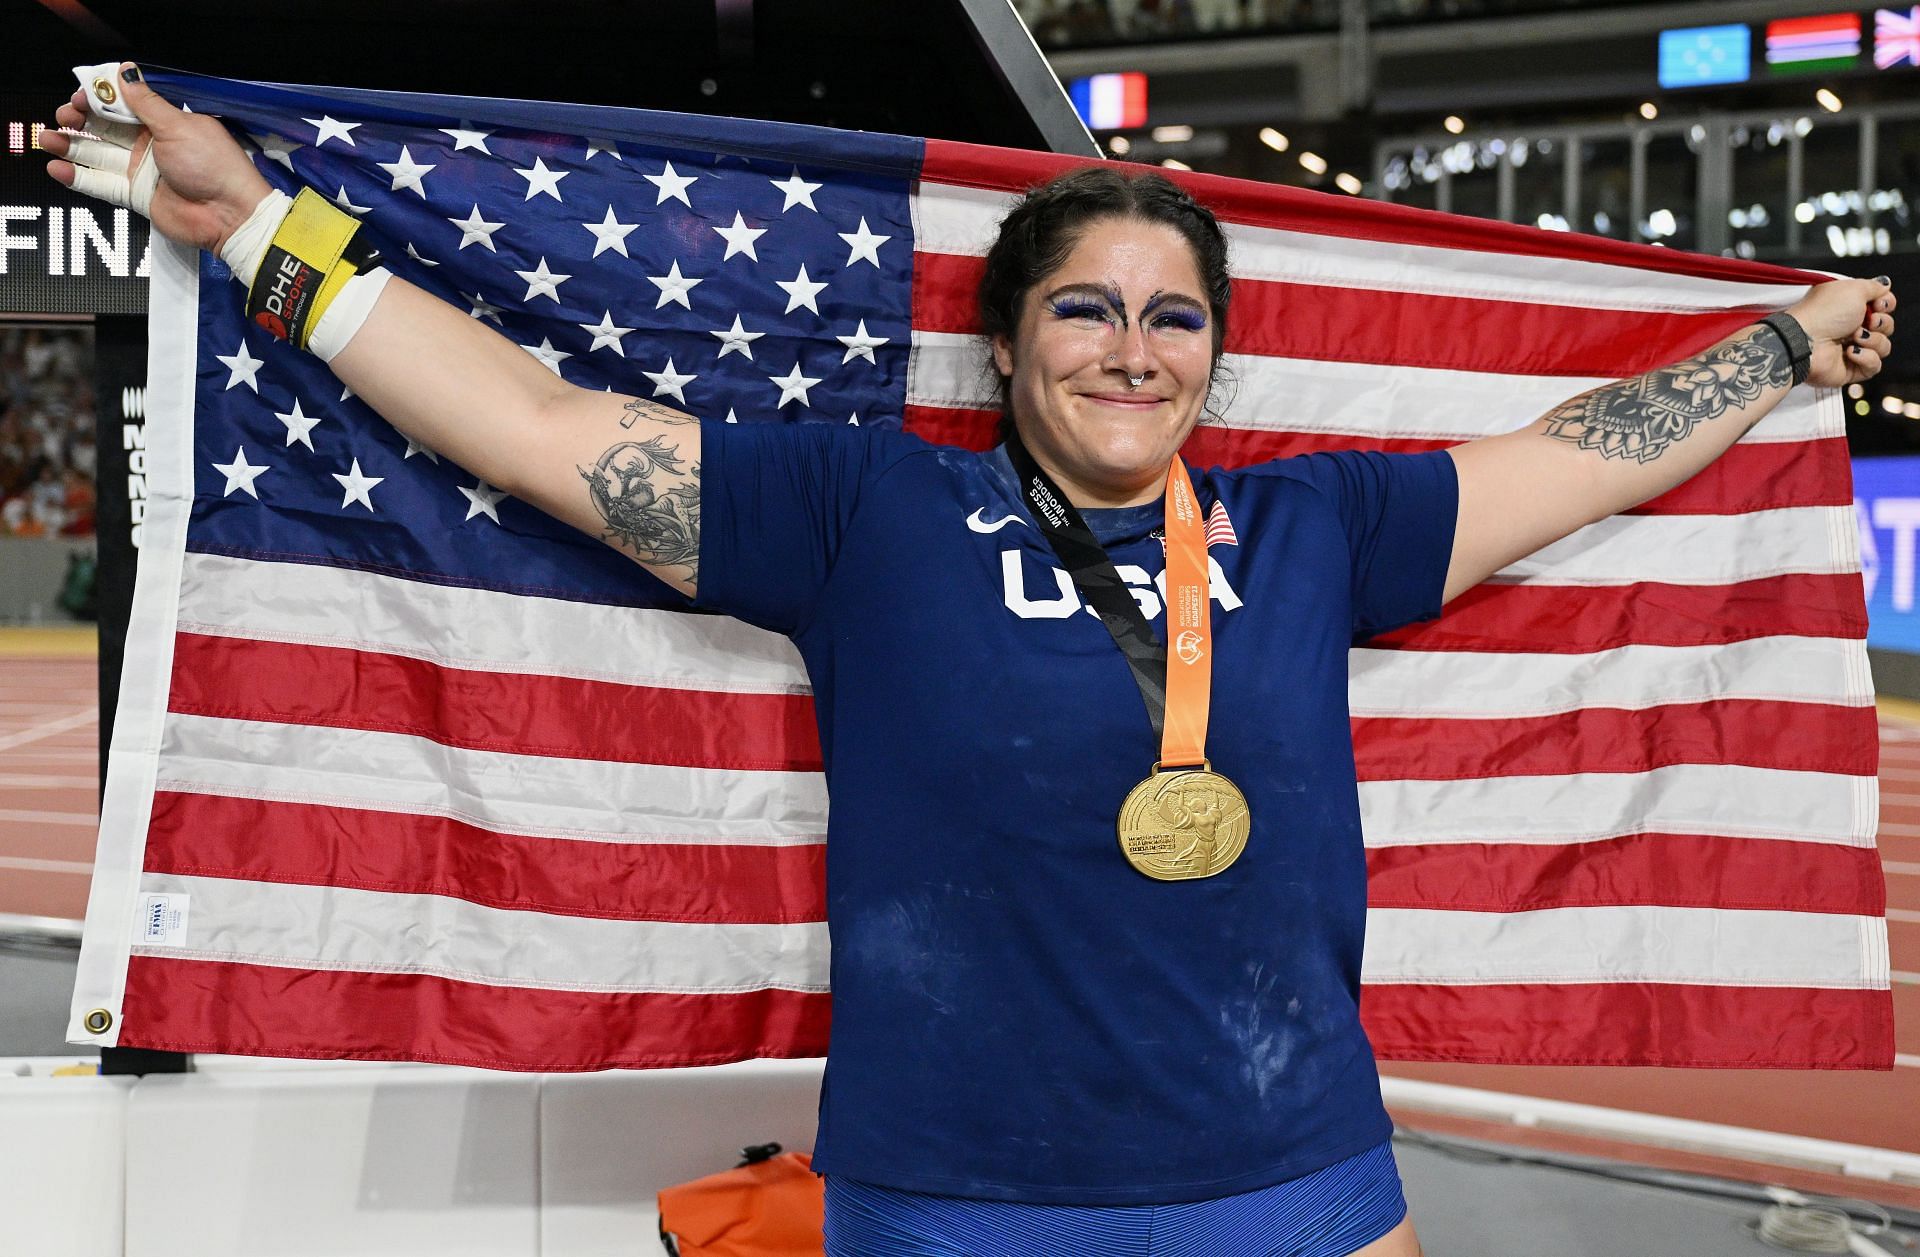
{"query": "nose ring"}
(1135, 381)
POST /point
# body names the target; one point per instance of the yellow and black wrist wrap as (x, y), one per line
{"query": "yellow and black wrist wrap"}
(314, 253)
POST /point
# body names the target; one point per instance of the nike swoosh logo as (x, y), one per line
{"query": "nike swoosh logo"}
(977, 524)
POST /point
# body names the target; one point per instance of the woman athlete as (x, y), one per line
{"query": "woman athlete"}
(1042, 1043)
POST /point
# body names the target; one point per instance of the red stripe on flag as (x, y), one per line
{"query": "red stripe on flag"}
(942, 425)
(1351, 217)
(180, 1005)
(1404, 329)
(201, 835)
(1631, 1023)
(1761, 476)
(1803, 737)
(519, 713)
(1562, 619)
(1671, 870)
(1847, 24)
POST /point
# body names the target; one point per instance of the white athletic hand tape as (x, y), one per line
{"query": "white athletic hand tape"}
(348, 311)
(246, 248)
(103, 168)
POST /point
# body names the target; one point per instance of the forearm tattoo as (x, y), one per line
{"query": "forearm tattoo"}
(650, 502)
(1641, 417)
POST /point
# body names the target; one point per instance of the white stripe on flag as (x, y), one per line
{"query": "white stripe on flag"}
(475, 628)
(1472, 684)
(331, 927)
(1730, 800)
(1624, 944)
(519, 794)
(1693, 549)
(964, 221)
(1270, 394)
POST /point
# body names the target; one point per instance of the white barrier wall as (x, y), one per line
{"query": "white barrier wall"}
(245, 1159)
(62, 1160)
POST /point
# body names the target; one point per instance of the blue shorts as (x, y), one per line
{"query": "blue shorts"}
(1328, 1213)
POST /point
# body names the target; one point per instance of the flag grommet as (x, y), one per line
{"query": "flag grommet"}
(97, 1021)
(103, 88)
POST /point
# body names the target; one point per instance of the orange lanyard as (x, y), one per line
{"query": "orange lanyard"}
(1183, 739)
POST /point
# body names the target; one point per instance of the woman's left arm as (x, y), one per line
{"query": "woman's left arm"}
(1616, 446)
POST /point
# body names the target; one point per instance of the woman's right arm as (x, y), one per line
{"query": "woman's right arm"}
(621, 468)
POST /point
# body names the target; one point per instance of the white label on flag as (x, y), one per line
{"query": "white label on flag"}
(163, 920)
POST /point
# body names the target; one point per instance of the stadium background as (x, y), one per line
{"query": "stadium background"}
(1782, 131)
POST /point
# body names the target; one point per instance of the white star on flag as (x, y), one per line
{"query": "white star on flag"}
(276, 148)
(542, 180)
(550, 357)
(670, 383)
(476, 230)
(797, 191)
(463, 138)
(854, 420)
(672, 186)
(358, 487)
(864, 243)
(407, 173)
(331, 129)
(245, 367)
(602, 146)
(415, 255)
(737, 339)
(482, 308)
(605, 334)
(482, 499)
(801, 291)
(673, 287)
(793, 387)
(731, 417)
(299, 426)
(240, 474)
(542, 282)
(740, 237)
(861, 345)
(610, 233)
(414, 447)
(345, 202)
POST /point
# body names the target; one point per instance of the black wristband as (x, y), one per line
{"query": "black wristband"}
(1794, 338)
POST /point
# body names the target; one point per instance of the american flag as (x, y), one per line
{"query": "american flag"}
(405, 770)
(1220, 527)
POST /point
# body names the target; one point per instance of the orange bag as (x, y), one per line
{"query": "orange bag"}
(771, 1205)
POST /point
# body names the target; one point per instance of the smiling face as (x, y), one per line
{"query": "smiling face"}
(1127, 302)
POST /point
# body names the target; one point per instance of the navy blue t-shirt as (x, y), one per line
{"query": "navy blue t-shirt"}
(1017, 1013)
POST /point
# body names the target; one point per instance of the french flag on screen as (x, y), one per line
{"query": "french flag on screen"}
(1111, 102)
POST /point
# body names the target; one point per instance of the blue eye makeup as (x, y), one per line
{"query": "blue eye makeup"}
(1077, 308)
(1186, 319)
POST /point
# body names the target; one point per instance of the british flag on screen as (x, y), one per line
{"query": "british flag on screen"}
(406, 770)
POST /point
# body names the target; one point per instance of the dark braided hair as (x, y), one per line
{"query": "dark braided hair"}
(1040, 232)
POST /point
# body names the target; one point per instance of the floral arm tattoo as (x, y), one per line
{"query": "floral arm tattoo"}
(1639, 418)
(646, 494)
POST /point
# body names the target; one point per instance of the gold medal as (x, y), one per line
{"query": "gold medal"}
(1189, 822)
(1184, 823)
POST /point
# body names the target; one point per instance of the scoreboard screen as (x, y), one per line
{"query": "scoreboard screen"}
(61, 253)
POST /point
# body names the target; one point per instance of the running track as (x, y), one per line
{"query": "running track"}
(49, 731)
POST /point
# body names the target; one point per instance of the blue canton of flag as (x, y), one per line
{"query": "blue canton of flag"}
(731, 284)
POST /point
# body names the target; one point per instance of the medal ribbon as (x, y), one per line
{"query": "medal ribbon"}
(1175, 684)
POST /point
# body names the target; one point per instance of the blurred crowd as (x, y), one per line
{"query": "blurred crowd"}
(46, 432)
(1064, 23)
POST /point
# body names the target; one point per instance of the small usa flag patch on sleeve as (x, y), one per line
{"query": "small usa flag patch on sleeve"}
(1220, 528)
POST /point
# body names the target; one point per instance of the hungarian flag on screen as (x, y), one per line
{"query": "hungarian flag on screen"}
(406, 770)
